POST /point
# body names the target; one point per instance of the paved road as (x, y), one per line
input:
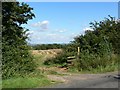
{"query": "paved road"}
(89, 81)
(83, 81)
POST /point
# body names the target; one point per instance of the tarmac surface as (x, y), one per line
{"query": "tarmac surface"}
(108, 80)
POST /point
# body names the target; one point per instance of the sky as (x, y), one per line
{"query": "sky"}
(60, 22)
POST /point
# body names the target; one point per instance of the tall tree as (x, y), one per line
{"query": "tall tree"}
(16, 57)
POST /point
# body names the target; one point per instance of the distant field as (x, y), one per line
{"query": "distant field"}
(49, 51)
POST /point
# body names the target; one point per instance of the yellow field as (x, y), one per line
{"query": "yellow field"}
(49, 51)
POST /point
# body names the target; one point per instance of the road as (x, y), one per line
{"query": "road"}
(101, 82)
(108, 80)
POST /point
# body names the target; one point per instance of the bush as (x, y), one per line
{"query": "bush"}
(59, 59)
(18, 63)
(88, 61)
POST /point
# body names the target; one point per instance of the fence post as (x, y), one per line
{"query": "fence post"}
(78, 53)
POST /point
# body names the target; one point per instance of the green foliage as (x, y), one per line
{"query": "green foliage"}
(97, 46)
(89, 61)
(16, 59)
(110, 29)
(16, 62)
(59, 59)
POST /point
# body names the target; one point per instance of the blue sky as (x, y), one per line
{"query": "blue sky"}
(60, 22)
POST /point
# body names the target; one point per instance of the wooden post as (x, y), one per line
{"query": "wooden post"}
(78, 51)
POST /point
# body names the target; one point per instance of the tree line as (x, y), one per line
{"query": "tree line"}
(47, 46)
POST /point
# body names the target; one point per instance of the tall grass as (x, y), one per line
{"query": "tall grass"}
(95, 63)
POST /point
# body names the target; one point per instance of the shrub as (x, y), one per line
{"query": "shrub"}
(18, 63)
(59, 59)
(88, 61)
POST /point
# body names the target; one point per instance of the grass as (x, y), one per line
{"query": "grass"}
(114, 66)
(26, 82)
(39, 60)
(33, 80)
(108, 68)
(0, 83)
(111, 65)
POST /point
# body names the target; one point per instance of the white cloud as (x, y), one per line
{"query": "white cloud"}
(43, 25)
(87, 28)
(36, 24)
(62, 30)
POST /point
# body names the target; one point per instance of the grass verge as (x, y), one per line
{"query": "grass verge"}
(26, 82)
(108, 68)
(33, 80)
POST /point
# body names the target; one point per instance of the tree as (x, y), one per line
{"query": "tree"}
(103, 31)
(109, 27)
(16, 59)
(98, 46)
